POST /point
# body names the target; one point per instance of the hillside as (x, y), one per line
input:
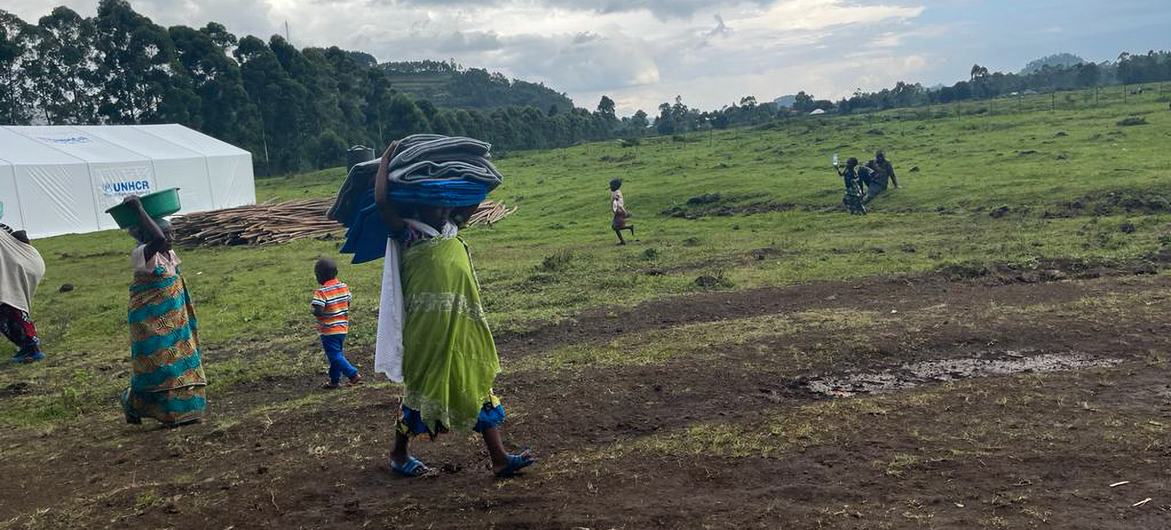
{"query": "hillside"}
(452, 86)
(986, 349)
(1057, 60)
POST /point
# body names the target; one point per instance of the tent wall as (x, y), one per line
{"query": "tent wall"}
(54, 188)
(62, 178)
(11, 215)
(114, 172)
(175, 166)
(229, 168)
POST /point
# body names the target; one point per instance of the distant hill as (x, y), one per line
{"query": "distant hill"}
(1055, 60)
(785, 101)
(450, 85)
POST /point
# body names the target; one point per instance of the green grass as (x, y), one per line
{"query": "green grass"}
(556, 255)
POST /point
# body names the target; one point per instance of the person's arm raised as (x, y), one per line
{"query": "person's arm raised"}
(156, 239)
(386, 208)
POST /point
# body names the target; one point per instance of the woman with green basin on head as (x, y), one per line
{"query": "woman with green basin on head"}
(168, 383)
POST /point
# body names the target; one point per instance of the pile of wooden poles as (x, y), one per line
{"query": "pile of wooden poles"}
(489, 213)
(281, 222)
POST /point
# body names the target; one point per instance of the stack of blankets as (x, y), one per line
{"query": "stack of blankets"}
(428, 169)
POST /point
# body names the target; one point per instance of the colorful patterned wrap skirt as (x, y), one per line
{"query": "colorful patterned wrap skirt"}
(168, 383)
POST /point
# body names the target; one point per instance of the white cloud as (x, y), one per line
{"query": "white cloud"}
(641, 52)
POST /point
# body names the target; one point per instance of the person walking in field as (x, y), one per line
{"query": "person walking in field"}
(852, 199)
(882, 171)
(21, 270)
(448, 356)
(331, 306)
(618, 207)
(167, 381)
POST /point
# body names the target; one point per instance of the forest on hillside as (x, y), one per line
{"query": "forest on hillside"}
(298, 109)
(293, 109)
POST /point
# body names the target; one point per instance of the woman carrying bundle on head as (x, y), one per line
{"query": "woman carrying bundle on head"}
(167, 382)
(445, 355)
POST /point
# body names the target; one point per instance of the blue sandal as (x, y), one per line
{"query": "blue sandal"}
(413, 468)
(516, 463)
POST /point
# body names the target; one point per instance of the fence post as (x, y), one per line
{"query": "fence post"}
(1053, 100)
(1097, 90)
(1124, 92)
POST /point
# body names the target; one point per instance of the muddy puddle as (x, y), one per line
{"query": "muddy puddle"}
(914, 374)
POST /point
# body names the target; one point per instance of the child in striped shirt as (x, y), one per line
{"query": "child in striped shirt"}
(331, 306)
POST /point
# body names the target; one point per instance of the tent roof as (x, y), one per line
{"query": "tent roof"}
(192, 139)
(19, 149)
(140, 141)
(62, 144)
(78, 144)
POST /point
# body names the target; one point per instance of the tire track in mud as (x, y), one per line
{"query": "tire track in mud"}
(595, 326)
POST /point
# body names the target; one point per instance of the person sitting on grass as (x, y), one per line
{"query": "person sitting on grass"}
(167, 381)
(448, 357)
(331, 306)
(853, 197)
(881, 171)
(618, 206)
(21, 269)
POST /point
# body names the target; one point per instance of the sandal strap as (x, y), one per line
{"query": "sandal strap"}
(412, 468)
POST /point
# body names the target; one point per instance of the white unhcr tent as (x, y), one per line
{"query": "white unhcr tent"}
(60, 179)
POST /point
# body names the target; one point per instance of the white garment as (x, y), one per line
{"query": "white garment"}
(21, 269)
(388, 344)
(617, 202)
(168, 260)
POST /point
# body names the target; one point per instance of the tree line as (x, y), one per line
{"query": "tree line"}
(1053, 73)
(293, 109)
(298, 109)
(1154, 66)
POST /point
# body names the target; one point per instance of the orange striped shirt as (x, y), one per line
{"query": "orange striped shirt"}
(334, 300)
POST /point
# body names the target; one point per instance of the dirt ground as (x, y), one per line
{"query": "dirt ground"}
(736, 434)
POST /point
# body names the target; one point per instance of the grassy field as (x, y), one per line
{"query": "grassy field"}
(687, 359)
(1016, 189)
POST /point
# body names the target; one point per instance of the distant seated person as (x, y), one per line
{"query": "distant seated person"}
(853, 197)
(881, 172)
(21, 269)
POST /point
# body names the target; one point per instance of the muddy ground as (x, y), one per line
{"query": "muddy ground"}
(914, 402)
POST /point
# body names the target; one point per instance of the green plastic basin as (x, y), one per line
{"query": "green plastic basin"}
(157, 205)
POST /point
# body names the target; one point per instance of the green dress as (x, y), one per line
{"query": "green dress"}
(449, 357)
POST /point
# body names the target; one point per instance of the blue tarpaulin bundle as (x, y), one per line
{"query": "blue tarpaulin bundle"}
(427, 169)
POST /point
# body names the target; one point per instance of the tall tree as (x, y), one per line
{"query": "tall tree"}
(226, 112)
(18, 42)
(140, 77)
(403, 117)
(281, 104)
(64, 73)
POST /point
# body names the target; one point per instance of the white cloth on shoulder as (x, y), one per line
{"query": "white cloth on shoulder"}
(21, 269)
(388, 344)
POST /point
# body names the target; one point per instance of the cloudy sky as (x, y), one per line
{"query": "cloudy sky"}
(712, 52)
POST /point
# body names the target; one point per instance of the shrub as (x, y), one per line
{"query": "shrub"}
(557, 261)
(1132, 121)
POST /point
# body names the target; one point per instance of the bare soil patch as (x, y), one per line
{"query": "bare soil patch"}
(916, 374)
(732, 437)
